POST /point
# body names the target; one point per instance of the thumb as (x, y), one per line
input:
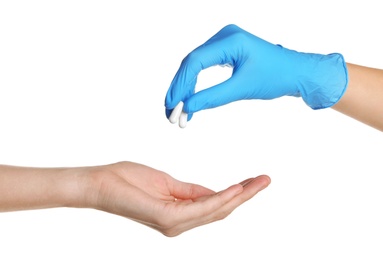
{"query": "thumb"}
(215, 96)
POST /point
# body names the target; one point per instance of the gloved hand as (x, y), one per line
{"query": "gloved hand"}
(261, 70)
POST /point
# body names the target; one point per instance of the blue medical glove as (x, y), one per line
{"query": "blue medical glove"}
(261, 70)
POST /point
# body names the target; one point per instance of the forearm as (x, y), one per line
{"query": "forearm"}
(23, 188)
(363, 99)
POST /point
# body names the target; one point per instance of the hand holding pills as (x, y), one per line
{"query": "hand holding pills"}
(261, 70)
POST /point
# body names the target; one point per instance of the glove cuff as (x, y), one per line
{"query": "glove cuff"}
(326, 82)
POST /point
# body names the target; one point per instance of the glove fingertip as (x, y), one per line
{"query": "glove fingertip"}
(168, 112)
(190, 116)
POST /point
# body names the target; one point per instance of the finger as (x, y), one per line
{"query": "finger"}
(221, 94)
(250, 188)
(205, 206)
(246, 182)
(254, 185)
(204, 209)
(210, 208)
(199, 213)
(184, 82)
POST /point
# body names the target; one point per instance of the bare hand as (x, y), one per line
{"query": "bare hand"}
(157, 200)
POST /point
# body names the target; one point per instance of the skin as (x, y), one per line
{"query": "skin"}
(140, 193)
(363, 99)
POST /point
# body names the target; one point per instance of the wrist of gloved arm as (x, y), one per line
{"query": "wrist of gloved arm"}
(324, 80)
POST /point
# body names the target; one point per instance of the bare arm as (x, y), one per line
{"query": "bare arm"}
(363, 99)
(25, 188)
(127, 189)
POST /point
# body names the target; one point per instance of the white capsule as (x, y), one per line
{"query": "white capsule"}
(183, 119)
(174, 116)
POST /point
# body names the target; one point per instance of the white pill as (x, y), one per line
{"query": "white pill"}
(183, 119)
(174, 116)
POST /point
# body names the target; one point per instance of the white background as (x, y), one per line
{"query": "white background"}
(84, 82)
